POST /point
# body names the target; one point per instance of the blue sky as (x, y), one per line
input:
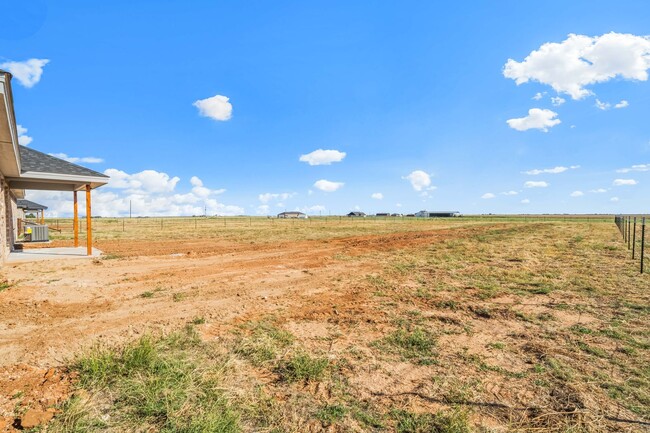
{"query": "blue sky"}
(212, 104)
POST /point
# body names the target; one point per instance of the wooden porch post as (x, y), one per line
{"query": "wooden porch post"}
(75, 221)
(42, 216)
(89, 229)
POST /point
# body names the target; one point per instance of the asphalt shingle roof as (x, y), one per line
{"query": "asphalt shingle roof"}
(29, 205)
(35, 161)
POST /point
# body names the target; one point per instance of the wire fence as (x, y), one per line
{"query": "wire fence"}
(632, 228)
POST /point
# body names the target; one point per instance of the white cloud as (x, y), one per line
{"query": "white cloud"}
(23, 138)
(598, 191)
(622, 182)
(536, 184)
(328, 186)
(28, 73)
(579, 61)
(377, 196)
(216, 107)
(525, 201)
(146, 181)
(322, 157)
(637, 167)
(602, 105)
(557, 101)
(614, 199)
(509, 193)
(199, 190)
(554, 170)
(577, 194)
(538, 96)
(419, 179)
(268, 196)
(263, 209)
(74, 159)
(159, 202)
(622, 104)
(488, 195)
(537, 118)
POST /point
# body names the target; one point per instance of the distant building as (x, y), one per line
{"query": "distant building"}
(382, 214)
(437, 214)
(292, 214)
(356, 214)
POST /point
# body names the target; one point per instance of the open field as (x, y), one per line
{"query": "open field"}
(255, 325)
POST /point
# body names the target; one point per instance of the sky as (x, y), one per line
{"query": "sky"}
(326, 107)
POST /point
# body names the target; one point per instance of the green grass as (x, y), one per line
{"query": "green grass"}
(302, 367)
(331, 413)
(159, 384)
(146, 294)
(440, 422)
(263, 342)
(4, 285)
(416, 345)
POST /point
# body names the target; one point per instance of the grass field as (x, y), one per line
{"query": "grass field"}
(256, 325)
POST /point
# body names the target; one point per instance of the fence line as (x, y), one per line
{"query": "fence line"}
(627, 225)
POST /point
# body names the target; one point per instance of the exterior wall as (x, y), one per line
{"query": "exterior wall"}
(5, 229)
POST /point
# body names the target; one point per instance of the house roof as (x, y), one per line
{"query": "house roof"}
(38, 162)
(29, 205)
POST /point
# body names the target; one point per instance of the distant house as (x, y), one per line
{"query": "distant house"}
(437, 214)
(292, 214)
(382, 214)
(356, 214)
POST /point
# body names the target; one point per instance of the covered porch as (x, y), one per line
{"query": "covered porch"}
(43, 172)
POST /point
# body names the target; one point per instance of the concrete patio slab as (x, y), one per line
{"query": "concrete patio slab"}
(39, 254)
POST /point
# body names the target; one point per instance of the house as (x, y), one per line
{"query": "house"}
(357, 214)
(382, 214)
(23, 168)
(292, 214)
(437, 214)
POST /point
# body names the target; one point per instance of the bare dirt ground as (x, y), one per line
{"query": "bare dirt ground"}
(340, 296)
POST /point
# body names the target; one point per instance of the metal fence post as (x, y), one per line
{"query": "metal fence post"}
(634, 238)
(642, 241)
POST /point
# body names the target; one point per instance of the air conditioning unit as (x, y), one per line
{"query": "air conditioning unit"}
(39, 233)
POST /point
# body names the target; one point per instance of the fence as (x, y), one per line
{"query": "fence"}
(632, 229)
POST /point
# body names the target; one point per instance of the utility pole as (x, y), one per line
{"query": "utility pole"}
(130, 209)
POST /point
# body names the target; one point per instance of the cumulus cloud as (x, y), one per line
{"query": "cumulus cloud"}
(509, 193)
(538, 96)
(322, 157)
(28, 73)
(377, 196)
(579, 61)
(577, 194)
(216, 107)
(419, 180)
(536, 184)
(538, 118)
(488, 195)
(637, 167)
(146, 181)
(156, 201)
(23, 138)
(268, 196)
(557, 101)
(623, 182)
(622, 104)
(75, 159)
(327, 186)
(614, 199)
(554, 170)
(598, 190)
(525, 201)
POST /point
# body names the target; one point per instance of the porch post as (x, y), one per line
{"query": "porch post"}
(42, 216)
(75, 221)
(89, 230)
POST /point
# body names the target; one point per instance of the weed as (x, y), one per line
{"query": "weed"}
(416, 344)
(199, 320)
(302, 367)
(146, 294)
(440, 422)
(331, 413)
(177, 297)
